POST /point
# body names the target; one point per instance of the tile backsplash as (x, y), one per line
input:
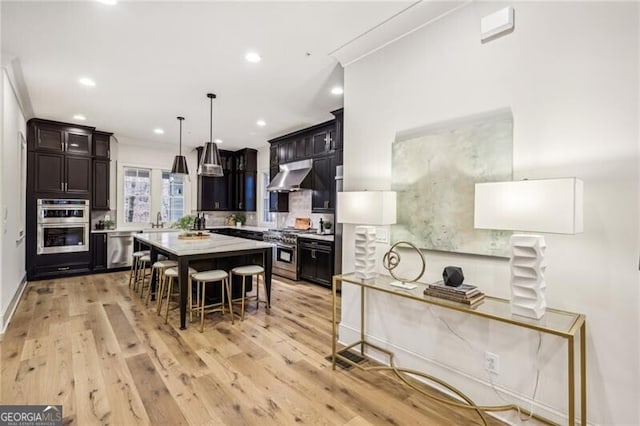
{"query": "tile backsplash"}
(300, 206)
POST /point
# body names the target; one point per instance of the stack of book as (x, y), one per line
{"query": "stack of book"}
(465, 293)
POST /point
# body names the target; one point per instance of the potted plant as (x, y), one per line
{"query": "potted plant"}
(185, 223)
(109, 224)
(327, 227)
(240, 219)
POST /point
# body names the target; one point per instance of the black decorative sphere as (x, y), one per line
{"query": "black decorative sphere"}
(452, 276)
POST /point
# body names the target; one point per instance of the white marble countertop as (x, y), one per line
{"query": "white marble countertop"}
(216, 243)
(322, 237)
(245, 228)
(134, 230)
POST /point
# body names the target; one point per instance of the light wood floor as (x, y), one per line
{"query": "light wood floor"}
(89, 344)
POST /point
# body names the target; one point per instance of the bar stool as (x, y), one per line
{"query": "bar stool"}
(167, 287)
(144, 262)
(249, 271)
(134, 265)
(204, 277)
(158, 268)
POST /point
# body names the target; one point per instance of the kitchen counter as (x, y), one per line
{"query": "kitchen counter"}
(323, 237)
(134, 231)
(245, 227)
(216, 243)
(215, 246)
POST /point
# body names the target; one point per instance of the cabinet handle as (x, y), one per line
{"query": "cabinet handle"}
(61, 186)
(326, 204)
(240, 204)
(66, 185)
(313, 254)
(64, 269)
(61, 146)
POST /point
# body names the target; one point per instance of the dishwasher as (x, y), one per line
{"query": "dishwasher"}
(119, 249)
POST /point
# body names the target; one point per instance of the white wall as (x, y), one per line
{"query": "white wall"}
(569, 72)
(12, 249)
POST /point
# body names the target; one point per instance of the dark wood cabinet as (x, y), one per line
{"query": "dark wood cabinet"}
(53, 136)
(78, 142)
(339, 130)
(62, 174)
(215, 193)
(48, 172)
(236, 190)
(78, 175)
(323, 184)
(315, 259)
(100, 193)
(322, 139)
(99, 251)
(101, 145)
(246, 180)
(47, 137)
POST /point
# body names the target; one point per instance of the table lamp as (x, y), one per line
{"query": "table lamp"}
(546, 205)
(366, 208)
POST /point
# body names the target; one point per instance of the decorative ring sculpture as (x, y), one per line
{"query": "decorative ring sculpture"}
(391, 260)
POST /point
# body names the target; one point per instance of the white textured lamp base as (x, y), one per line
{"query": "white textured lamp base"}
(527, 275)
(365, 254)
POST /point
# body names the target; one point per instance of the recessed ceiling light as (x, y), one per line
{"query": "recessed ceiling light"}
(337, 90)
(253, 57)
(79, 117)
(261, 123)
(158, 131)
(85, 81)
(109, 2)
(217, 140)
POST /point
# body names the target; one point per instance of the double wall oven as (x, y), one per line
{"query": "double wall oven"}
(63, 226)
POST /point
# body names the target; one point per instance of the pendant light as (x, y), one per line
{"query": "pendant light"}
(210, 164)
(180, 162)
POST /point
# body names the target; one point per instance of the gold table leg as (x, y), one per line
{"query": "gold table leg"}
(583, 374)
(334, 335)
(571, 382)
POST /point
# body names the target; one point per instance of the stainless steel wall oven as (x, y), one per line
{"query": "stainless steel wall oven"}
(63, 226)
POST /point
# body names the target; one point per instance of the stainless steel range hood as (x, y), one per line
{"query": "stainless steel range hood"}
(292, 177)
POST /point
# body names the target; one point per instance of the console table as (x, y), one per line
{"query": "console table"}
(559, 323)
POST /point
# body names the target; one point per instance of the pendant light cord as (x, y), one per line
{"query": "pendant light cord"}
(211, 121)
(181, 137)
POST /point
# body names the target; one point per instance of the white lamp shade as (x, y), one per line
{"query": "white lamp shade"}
(366, 207)
(547, 205)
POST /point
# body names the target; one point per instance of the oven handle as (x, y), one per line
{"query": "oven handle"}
(285, 246)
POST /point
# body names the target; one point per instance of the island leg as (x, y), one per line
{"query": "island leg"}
(267, 257)
(183, 272)
(153, 256)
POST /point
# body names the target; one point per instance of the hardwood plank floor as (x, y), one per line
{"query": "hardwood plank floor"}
(89, 344)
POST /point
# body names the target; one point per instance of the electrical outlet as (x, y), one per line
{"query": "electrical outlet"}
(492, 363)
(382, 235)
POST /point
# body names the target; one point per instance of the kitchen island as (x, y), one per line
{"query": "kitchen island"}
(214, 246)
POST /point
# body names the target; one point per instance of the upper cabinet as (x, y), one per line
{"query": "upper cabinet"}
(101, 145)
(323, 143)
(52, 136)
(236, 189)
(68, 160)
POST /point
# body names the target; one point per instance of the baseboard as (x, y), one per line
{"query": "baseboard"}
(473, 385)
(11, 309)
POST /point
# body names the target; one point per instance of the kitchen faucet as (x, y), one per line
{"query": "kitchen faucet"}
(159, 223)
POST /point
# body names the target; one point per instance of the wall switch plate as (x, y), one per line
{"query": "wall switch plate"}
(492, 363)
(382, 235)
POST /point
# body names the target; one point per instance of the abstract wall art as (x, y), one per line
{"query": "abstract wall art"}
(434, 170)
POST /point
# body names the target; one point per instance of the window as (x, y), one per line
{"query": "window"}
(137, 195)
(172, 197)
(266, 215)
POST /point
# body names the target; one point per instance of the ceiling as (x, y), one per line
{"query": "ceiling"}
(153, 61)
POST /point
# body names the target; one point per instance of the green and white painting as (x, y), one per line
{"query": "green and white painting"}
(434, 172)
